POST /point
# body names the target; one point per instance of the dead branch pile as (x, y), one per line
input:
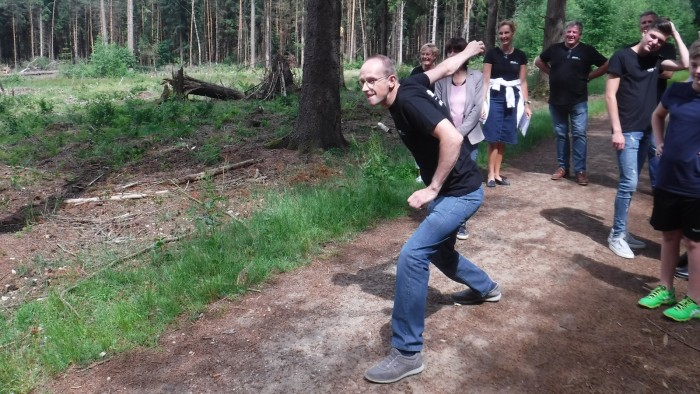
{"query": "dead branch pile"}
(278, 81)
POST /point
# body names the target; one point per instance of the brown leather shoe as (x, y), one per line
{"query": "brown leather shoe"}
(582, 178)
(559, 174)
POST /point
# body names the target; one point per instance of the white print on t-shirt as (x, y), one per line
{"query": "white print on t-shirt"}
(651, 70)
(436, 98)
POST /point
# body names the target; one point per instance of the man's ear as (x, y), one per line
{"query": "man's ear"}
(392, 82)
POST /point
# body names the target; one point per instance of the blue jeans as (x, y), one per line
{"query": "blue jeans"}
(653, 161)
(630, 161)
(433, 241)
(577, 114)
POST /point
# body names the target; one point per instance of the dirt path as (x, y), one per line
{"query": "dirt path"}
(567, 320)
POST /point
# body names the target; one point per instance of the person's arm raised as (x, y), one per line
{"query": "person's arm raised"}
(450, 65)
(684, 61)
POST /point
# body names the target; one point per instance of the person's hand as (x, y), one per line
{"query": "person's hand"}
(659, 150)
(528, 111)
(476, 47)
(618, 141)
(420, 198)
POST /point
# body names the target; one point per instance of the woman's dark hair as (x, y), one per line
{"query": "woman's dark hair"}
(456, 44)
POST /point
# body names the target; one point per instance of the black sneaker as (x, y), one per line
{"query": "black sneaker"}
(470, 297)
(682, 267)
(395, 367)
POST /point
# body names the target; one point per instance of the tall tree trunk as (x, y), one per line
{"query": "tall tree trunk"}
(53, 28)
(318, 123)
(31, 31)
(252, 33)
(433, 36)
(41, 34)
(14, 40)
(76, 48)
(267, 35)
(467, 16)
(553, 33)
(304, 8)
(491, 22)
(399, 49)
(352, 50)
(363, 28)
(111, 21)
(130, 25)
(191, 31)
(103, 22)
(240, 31)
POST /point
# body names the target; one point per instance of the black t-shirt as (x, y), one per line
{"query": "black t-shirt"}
(416, 111)
(636, 95)
(569, 69)
(505, 66)
(667, 51)
(419, 70)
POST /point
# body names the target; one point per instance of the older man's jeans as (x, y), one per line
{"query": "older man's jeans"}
(577, 114)
(630, 161)
(433, 241)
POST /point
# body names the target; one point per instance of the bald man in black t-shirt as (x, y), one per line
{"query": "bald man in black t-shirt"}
(452, 193)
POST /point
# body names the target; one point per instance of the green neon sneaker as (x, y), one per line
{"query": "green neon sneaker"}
(683, 311)
(659, 296)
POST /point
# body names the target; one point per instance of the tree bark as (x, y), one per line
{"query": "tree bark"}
(318, 124)
(553, 33)
(433, 35)
(467, 17)
(491, 22)
(130, 25)
(252, 33)
(399, 49)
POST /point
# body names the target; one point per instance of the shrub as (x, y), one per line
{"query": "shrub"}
(111, 60)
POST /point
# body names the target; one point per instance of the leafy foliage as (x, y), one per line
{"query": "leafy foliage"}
(111, 60)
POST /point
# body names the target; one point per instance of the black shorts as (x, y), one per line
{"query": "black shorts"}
(675, 212)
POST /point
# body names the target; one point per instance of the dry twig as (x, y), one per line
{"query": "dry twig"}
(674, 336)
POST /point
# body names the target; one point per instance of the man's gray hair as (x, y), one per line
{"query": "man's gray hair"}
(574, 23)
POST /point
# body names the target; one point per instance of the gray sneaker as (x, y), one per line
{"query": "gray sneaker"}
(470, 297)
(395, 367)
(634, 243)
(463, 233)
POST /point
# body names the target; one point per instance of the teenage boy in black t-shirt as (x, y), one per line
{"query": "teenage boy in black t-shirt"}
(569, 65)
(453, 192)
(630, 97)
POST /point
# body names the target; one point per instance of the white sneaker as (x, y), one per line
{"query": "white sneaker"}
(634, 243)
(620, 247)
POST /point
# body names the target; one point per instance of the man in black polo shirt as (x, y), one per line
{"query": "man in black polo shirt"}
(453, 192)
(569, 65)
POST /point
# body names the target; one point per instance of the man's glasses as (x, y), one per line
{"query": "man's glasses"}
(370, 82)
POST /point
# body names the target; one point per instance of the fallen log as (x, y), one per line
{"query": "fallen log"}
(184, 85)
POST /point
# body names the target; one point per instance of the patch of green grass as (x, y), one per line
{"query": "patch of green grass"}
(122, 308)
